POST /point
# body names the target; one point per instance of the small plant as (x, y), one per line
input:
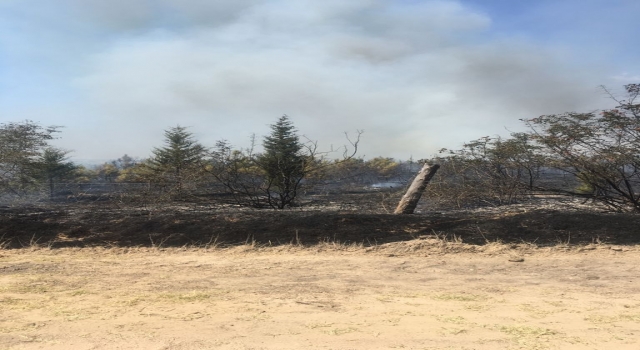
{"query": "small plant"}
(4, 243)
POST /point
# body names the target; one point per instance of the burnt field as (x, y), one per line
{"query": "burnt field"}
(338, 272)
(356, 218)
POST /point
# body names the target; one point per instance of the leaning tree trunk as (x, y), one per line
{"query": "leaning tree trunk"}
(410, 199)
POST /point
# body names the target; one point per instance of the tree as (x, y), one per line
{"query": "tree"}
(488, 170)
(275, 177)
(82, 175)
(349, 172)
(124, 162)
(180, 159)
(139, 172)
(20, 146)
(53, 166)
(284, 163)
(118, 170)
(383, 168)
(107, 172)
(238, 172)
(601, 151)
(597, 154)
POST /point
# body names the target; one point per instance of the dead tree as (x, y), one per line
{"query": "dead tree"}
(410, 199)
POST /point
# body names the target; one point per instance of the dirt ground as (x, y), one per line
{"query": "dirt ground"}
(419, 294)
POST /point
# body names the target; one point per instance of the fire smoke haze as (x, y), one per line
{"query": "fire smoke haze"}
(417, 76)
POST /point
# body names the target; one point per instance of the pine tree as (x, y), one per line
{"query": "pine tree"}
(53, 166)
(283, 163)
(180, 157)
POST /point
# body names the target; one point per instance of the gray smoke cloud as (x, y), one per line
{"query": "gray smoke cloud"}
(416, 76)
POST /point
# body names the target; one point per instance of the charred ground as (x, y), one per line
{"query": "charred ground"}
(355, 218)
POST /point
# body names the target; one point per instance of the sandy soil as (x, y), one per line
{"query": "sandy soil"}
(320, 298)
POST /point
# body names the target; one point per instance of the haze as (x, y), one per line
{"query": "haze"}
(417, 76)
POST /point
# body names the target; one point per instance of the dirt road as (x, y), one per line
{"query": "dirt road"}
(300, 298)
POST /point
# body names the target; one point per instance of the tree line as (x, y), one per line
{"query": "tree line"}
(179, 168)
(594, 155)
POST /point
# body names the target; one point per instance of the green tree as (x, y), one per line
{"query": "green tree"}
(284, 163)
(139, 172)
(274, 178)
(179, 160)
(20, 146)
(82, 175)
(383, 168)
(107, 172)
(53, 166)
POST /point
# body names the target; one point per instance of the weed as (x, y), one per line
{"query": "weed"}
(526, 331)
(78, 292)
(453, 319)
(341, 331)
(213, 242)
(186, 297)
(4, 243)
(295, 241)
(554, 303)
(458, 297)
(34, 243)
(482, 234)
(319, 325)
(159, 244)
(604, 319)
(444, 238)
(477, 307)
(536, 311)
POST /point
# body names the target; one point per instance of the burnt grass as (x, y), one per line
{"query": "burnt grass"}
(346, 219)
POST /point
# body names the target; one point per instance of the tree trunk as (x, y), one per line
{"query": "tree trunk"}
(410, 199)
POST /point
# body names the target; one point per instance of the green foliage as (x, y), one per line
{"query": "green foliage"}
(82, 175)
(107, 172)
(238, 172)
(119, 170)
(275, 177)
(383, 168)
(283, 162)
(20, 146)
(350, 171)
(181, 159)
(53, 166)
(138, 172)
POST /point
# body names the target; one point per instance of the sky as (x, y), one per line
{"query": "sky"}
(415, 75)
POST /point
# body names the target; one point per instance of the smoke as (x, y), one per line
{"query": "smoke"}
(416, 76)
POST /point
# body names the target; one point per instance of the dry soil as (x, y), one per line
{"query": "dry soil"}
(403, 295)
